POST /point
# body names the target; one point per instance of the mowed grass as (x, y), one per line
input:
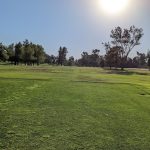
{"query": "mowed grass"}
(70, 108)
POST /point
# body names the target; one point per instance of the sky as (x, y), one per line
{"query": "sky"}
(80, 25)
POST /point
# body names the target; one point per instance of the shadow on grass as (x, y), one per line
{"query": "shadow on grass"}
(141, 93)
(124, 72)
(25, 79)
(103, 82)
(6, 64)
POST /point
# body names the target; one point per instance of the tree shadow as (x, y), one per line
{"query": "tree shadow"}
(25, 79)
(124, 72)
(6, 64)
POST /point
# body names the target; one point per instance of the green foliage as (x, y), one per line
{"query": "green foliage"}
(39, 54)
(11, 52)
(71, 61)
(3, 53)
(62, 55)
(148, 57)
(26, 52)
(141, 57)
(148, 63)
(19, 53)
(92, 60)
(112, 56)
(51, 60)
(125, 40)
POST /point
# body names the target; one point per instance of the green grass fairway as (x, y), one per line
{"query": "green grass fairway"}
(64, 108)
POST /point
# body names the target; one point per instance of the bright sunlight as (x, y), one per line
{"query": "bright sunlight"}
(113, 7)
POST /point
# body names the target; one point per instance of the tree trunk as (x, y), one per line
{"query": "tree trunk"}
(122, 68)
(123, 61)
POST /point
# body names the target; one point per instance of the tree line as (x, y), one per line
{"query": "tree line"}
(117, 53)
(24, 52)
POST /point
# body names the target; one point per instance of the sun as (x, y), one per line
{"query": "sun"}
(113, 6)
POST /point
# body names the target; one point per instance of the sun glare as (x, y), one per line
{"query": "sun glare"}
(113, 6)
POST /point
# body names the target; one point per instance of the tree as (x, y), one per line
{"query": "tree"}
(62, 55)
(39, 54)
(28, 52)
(94, 58)
(129, 63)
(91, 60)
(51, 60)
(71, 61)
(3, 53)
(135, 62)
(11, 52)
(125, 40)
(102, 61)
(84, 61)
(112, 56)
(18, 53)
(141, 59)
(148, 62)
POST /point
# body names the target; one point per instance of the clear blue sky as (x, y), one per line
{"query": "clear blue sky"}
(79, 25)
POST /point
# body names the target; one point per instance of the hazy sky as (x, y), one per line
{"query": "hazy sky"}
(80, 25)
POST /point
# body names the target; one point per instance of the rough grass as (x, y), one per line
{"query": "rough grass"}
(63, 108)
